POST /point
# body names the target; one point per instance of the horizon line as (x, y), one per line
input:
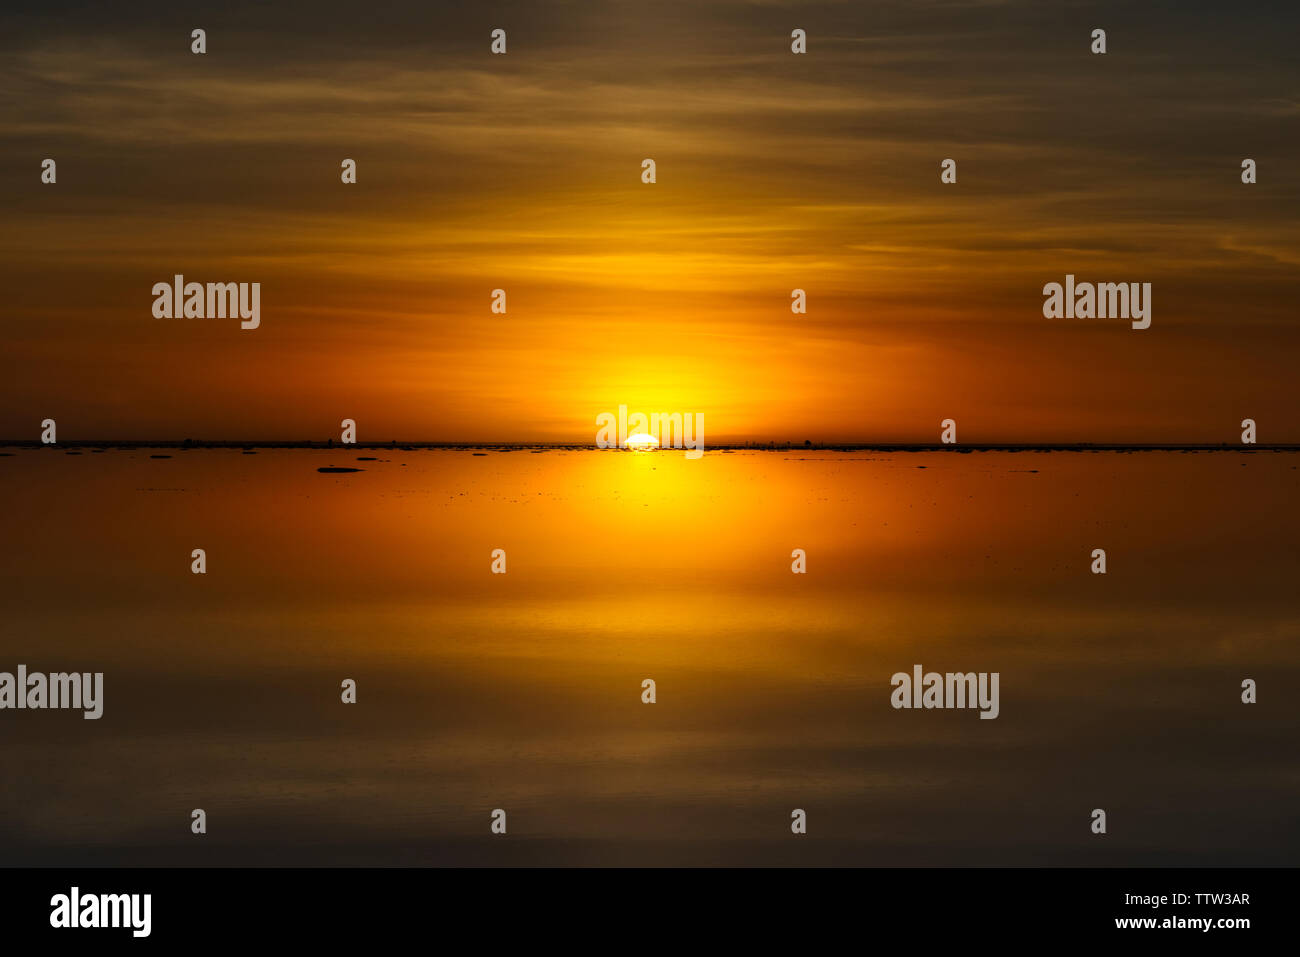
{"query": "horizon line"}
(752, 446)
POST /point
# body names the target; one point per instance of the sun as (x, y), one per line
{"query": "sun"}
(641, 442)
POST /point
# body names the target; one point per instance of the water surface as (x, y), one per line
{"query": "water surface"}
(523, 691)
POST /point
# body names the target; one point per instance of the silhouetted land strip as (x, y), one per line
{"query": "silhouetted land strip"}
(720, 447)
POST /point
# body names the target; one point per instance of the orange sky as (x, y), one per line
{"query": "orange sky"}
(775, 171)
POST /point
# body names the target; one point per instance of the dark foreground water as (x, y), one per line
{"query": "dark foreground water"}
(523, 691)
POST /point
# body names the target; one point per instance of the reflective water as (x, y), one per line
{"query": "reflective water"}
(522, 691)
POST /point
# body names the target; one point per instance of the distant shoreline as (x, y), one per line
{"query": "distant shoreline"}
(724, 447)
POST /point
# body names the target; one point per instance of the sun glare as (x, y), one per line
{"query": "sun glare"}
(641, 442)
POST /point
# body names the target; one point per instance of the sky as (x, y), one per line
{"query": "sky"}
(775, 171)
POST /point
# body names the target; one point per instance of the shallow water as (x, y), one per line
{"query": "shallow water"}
(523, 691)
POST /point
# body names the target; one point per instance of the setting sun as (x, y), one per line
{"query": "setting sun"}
(642, 442)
